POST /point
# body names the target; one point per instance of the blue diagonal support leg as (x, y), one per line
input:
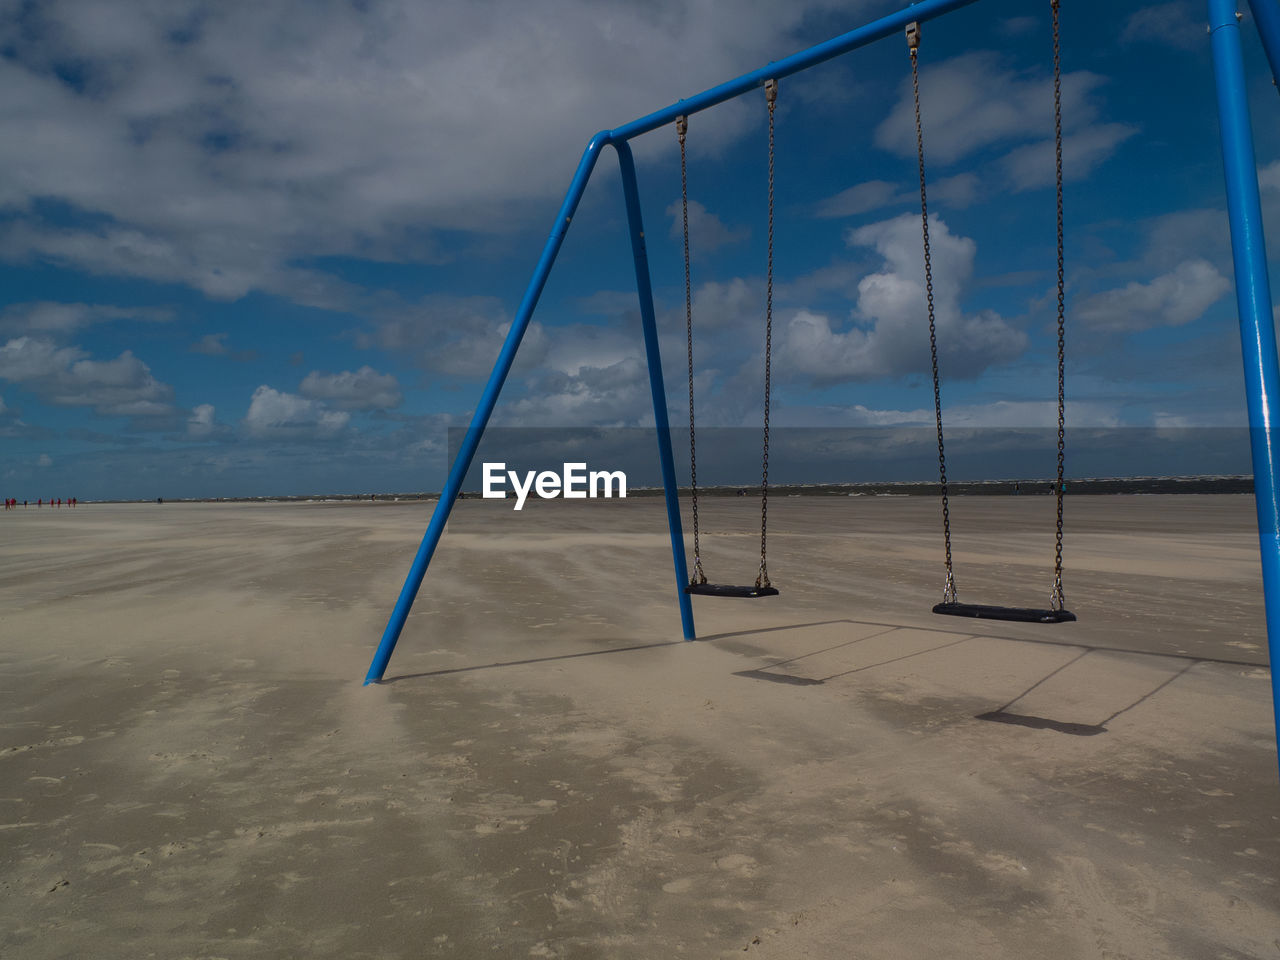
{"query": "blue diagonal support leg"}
(480, 419)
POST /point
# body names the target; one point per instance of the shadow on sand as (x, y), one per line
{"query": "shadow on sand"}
(1001, 714)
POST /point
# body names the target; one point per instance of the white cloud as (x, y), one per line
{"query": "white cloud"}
(365, 389)
(1041, 414)
(997, 414)
(707, 232)
(26, 359)
(859, 415)
(1173, 299)
(613, 394)
(959, 191)
(863, 198)
(3, 408)
(973, 101)
(1163, 420)
(1172, 24)
(53, 318)
(724, 304)
(572, 350)
(44, 460)
(201, 424)
(211, 345)
(1173, 238)
(891, 336)
(1018, 26)
(217, 144)
(215, 345)
(839, 278)
(1269, 176)
(1032, 166)
(123, 387)
(456, 336)
(276, 415)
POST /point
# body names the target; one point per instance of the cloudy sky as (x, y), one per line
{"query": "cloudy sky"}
(273, 247)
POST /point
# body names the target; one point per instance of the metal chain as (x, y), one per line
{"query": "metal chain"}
(1056, 598)
(949, 586)
(762, 579)
(682, 127)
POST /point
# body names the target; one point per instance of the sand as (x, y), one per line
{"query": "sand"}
(190, 766)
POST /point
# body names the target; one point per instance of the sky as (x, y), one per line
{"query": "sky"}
(272, 248)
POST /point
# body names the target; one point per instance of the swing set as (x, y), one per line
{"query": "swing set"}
(950, 605)
(1262, 373)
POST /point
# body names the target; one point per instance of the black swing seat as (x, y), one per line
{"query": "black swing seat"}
(727, 590)
(1019, 614)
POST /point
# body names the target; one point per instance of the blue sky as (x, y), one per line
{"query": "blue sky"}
(272, 248)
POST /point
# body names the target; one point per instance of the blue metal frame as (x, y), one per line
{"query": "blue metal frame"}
(618, 139)
(1257, 335)
(1253, 299)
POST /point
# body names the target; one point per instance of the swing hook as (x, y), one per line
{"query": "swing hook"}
(1056, 600)
(762, 578)
(949, 594)
(698, 575)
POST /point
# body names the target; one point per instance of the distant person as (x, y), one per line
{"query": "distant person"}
(73, 501)
(39, 502)
(159, 499)
(1017, 488)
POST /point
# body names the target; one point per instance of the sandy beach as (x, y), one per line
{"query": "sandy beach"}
(191, 768)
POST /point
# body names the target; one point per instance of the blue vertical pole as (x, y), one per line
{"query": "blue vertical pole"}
(644, 288)
(467, 452)
(1253, 300)
(1266, 17)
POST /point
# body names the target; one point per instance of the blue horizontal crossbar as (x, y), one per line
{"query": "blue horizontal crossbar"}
(870, 33)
